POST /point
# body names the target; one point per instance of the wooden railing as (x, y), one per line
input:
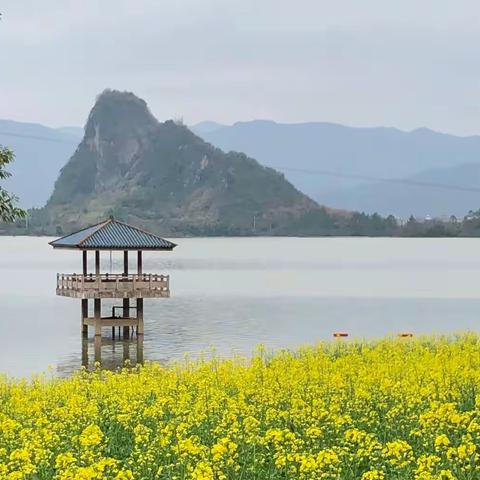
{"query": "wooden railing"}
(113, 282)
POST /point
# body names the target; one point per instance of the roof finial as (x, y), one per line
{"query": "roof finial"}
(111, 217)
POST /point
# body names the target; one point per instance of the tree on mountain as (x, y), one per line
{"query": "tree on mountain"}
(9, 212)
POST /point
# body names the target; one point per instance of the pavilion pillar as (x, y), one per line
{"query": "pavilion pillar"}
(125, 262)
(97, 262)
(84, 309)
(84, 262)
(126, 301)
(139, 263)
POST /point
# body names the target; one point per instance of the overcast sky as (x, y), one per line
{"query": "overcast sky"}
(403, 63)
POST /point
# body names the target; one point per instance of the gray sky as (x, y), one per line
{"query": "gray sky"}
(403, 63)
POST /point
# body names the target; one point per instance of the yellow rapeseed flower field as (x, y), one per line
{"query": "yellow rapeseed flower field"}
(391, 409)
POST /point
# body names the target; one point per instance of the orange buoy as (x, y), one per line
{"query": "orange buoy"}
(340, 334)
(405, 334)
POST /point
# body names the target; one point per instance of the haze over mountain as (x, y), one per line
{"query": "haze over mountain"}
(165, 178)
(417, 198)
(40, 154)
(421, 155)
(372, 152)
(76, 132)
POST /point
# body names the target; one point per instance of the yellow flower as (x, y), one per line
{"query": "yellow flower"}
(91, 436)
(445, 475)
(465, 451)
(202, 471)
(64, 460)
(369, 410)
(426, 465)
(124, 475)
(142, 433)
(442, 441)
(373, 475)
(399, 453)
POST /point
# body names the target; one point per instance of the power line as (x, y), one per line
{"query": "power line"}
(38, 137)
(416, 183)
(329, 173)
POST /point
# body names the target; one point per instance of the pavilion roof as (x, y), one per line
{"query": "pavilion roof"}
(112, 235)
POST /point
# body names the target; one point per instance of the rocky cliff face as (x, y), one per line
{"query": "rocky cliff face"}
(165, 178)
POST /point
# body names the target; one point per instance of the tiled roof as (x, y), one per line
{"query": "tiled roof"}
(113, 235)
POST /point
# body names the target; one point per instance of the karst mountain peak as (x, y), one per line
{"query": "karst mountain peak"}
(164, 177)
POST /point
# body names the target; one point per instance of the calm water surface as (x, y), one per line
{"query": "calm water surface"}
(232, 294)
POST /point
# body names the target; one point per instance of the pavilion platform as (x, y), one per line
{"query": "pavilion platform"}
(112, 235)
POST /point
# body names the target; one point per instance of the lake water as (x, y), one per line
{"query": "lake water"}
(232, 294)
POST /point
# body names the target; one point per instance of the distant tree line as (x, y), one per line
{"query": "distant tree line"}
(319, 222)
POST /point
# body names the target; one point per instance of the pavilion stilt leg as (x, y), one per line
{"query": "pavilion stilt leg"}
(126, 351)
(84, 328)
(98, 313)
(140, 330)
(140, 349)
(85, 352)
(126, 314)
(98, 348)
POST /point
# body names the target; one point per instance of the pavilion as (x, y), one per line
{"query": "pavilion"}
(112, 235)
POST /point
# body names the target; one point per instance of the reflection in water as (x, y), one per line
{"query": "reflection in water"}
(111, 353)
(231, 294)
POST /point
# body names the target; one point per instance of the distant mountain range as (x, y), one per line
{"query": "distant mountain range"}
(40, 154)
(339, 154)
(417, 196)
(322, 160)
